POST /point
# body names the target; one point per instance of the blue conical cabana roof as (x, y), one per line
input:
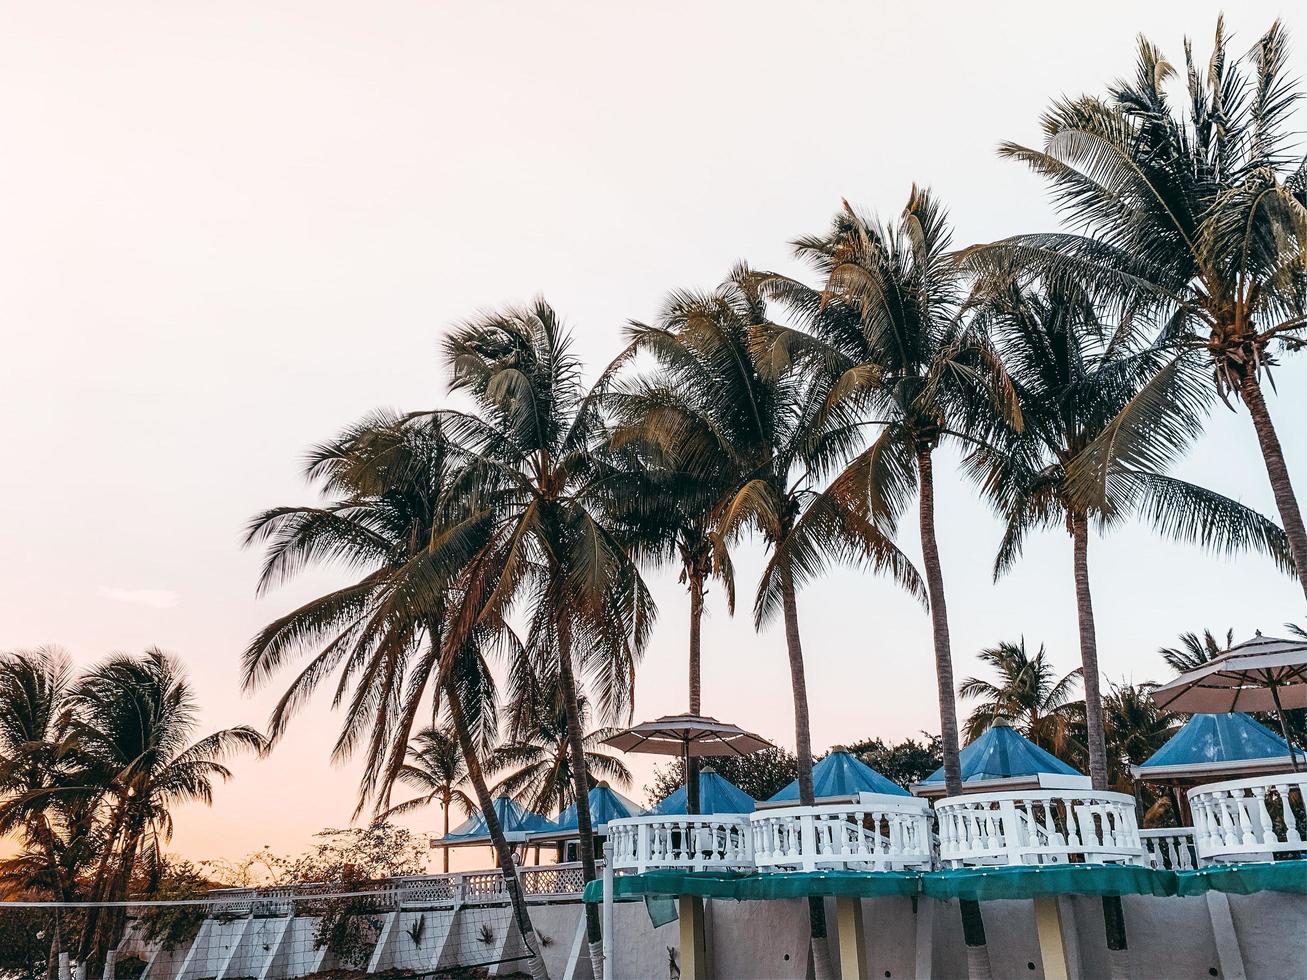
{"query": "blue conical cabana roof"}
(1003, 756)
(841, 775)
(605, 804)
(516, 820)
(1209, 744)
(716, 795)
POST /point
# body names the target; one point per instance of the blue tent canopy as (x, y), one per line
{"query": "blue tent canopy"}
(516, 821)
(1002, 753)
(605, 804)
(1211, 742)
(841, 774)
(716, 795)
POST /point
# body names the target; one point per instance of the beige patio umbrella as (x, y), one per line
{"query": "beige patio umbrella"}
(688, 736)
(1262, 674)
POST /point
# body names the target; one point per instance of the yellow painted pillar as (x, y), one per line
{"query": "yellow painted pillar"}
(694, 957)
(853, 939)
(1048, 924)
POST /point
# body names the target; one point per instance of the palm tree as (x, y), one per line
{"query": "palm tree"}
(133, 719)
(722, 395)
(435, 767)
(536, 478)
(1196, 216)
(1028, 695)
(1194, 651)
(386, 631)
(665, 503)
(538, 753)
(39, 762)
(1072, 375)
(887, 325)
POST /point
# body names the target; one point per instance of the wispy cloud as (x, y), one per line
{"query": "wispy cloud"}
(154, 598)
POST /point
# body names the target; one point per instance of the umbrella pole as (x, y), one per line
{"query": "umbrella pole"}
(1284, 726)
(691, 782)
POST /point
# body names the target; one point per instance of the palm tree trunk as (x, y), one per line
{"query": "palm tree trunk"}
(803, 750)
(1290, 516)
(973, 924)
(696, 700)
(1089, 654)
(503, 853)
(948, 705)
(581, 788)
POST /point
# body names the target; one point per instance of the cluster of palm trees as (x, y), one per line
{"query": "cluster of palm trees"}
(1069, 369)
(91, 765)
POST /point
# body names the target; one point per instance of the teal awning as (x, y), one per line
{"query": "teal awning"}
(716, 795)
(839, 775)
(515, 819)
(978, 884)
(1003, 753)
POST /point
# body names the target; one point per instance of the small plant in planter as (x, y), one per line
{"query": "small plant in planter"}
(417, 930)
(486, 934)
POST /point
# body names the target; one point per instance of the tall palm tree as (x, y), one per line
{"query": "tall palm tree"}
(538, 752)
(722, 394)
(133, 719)
(389, 484)
(887, 325)
(665, 502)
(1194, 650)
(1072, 375)
(436, 768)
(536, 480)
(1028, 695)
(1197, 213)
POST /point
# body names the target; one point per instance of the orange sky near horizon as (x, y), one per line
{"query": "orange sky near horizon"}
(230, 230)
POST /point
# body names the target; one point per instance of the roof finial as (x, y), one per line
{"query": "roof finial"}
(1258, 632)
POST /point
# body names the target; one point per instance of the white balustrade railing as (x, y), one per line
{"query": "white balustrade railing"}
(1250, 819)
(1038, 827)
(879, 832)
(694, 843)
(1169, 848)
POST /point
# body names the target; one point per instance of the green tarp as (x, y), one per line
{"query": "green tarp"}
(978, 884)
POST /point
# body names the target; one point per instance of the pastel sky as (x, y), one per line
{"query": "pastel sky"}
(230, 229)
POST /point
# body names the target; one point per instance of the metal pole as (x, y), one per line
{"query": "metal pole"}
(1284, 725)
(608, 918)
(691, 783)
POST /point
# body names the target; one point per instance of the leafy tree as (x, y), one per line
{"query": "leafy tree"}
(437, 770)
(886, 325)
(1192, 216)
(1072, 374)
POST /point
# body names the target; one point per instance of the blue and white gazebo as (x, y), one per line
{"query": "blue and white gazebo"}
(1209, 746)
(517, 821)
(716, 795)
(1003, 759)
(840, 776)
